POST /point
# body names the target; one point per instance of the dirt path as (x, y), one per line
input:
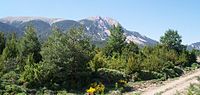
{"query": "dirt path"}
(172, 87)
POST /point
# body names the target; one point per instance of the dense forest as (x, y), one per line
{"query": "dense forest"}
(70, 62)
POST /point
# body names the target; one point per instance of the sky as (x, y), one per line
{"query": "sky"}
(148, 17)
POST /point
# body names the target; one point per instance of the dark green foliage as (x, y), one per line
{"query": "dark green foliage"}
(197, 52)
(2, 42)
(29, 44)
(172, 40)
(11, 50)
(146, 75)
(130, 49)
(192, 57)
(110, 75)
(8, 60)
(116, 41)
(69, 54)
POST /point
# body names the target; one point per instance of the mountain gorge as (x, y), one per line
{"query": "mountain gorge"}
(96, 27)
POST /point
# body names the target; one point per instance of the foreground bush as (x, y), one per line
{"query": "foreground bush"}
(110, 75)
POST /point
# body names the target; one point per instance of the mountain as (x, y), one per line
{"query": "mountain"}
(194, 46)
(96, 27)
(8, 28)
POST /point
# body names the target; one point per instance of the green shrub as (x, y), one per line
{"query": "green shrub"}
(146, 75)
(98, 61)
(110, 75)
(14, 89)
(171, 72)
(62, 92)
(194, 89)
(195, 65)
(10, 77)
(117, 62)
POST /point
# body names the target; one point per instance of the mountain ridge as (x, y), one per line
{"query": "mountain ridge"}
(195, 45)
(96, 26)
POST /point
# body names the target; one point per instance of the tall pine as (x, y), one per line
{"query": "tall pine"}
(116, 41)
(30, 45)
(2, 42)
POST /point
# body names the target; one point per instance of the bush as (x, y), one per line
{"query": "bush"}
(110, 75)
(117, 62)
(194, 89)
(98, 61)
(14, 89)
(62, 93)
(195, 66)
(133, 65)
(146, 75)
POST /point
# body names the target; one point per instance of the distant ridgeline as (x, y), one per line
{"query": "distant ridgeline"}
(95, 27)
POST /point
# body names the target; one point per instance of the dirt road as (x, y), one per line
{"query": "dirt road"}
(172, 87)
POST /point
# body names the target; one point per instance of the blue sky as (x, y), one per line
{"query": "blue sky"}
(148, 17)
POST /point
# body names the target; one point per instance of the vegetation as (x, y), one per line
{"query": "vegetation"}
(194, 89)
(69, 62)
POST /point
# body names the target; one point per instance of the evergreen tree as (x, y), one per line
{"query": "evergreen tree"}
(69, 54)
(130, 49)
(2, 42)
(172, 40)
(29, 44)
(116, 41)
(9, 55)
(31, 75)
(11, 50)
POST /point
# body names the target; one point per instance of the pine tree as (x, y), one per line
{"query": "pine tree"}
(69, 53)
(29, 44)
(2, 42)
(172, 40)
(116, 41)
(11, 50)
(9, 55)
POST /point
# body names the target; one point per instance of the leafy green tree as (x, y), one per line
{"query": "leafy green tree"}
(29, 44)
(172, 40)
(2, 42)
(69, 55)
(116, 41)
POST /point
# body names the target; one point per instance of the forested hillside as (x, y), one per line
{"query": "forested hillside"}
(67, 62)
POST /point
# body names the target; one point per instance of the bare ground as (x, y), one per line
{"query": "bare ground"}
(171, 87)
